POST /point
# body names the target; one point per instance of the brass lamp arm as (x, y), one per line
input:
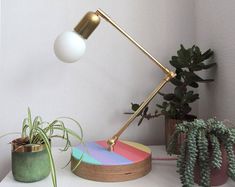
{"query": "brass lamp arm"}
(92, 19)
(101, 13)
(112, 141)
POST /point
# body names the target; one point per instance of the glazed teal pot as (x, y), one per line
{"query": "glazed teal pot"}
(30, 162)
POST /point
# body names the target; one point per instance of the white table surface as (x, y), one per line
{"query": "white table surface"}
(163, 174)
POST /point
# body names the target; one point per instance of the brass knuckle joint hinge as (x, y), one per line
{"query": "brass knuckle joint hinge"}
(111, 143)
(170, 75)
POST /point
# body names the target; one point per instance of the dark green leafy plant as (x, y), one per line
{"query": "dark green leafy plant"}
(202, 144)
(177, 104)
(37, 131)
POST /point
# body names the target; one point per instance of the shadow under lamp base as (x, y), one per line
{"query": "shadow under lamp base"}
(128, 161)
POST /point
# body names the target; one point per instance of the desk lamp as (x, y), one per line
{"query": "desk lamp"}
(111, 160)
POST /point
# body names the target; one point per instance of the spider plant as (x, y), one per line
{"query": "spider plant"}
(35, 131)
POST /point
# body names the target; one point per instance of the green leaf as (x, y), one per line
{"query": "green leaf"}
(165, 104)
(206, 80)
(160, 106)
(69, 131)
(186, 109)
(48, 148)
(145, 110)
(160, 93)
(37, 121)
(176, 63)
(188, 94)
(194, 84)
(30, 119)
(169, 97)
(134, 106)
(207, 66)
(195, 67)
(79, 162)
(209, 53)
(129, 113)
(140, 121)
(192, 77)
(178, 74)
(76, 123)
(24, 128)
(192, 98)
(179, 92)
(176, 82)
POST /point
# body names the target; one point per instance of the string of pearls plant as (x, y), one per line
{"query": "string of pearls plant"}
(202, 146)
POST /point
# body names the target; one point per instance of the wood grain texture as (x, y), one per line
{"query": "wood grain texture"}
(119, 172)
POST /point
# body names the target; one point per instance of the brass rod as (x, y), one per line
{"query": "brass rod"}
(169, 75)
(111, 142)
(143, 105)
(107, 18)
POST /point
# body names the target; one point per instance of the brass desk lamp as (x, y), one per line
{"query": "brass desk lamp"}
(70, 46)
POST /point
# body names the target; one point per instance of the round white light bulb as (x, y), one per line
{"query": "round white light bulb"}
(69, 46)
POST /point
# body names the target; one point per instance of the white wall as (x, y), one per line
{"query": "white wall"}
(215, 29)
(99, 88)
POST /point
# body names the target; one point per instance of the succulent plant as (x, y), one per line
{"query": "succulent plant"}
(202, 144)
(177, 104)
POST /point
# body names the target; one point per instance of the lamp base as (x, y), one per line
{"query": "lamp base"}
(128, 161)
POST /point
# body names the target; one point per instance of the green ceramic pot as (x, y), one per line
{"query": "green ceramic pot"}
(30, 162)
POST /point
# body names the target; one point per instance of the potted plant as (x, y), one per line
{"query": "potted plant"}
(32, 158)
(206, 155)
(176, 105)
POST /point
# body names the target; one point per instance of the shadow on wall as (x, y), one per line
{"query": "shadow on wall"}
(208, 93)
(5, 164)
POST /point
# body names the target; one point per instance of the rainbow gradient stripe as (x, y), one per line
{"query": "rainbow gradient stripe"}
(124, 153)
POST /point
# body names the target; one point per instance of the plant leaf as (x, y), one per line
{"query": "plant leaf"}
(169, 97)
(75, 122)
(134, 106)
(145, 110)
(207, 80)
(176, 82)
(207, 66)
(29, 119)
(48, 148)
(179, 92)
(140, 121)
(194, 84)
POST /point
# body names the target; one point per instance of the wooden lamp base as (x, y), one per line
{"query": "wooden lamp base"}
(128, 161)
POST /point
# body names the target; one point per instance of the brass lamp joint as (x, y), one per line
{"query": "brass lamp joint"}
(112, 142)
(170, 75)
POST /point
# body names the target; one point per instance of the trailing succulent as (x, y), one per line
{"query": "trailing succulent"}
(177, 104)
(202, 145)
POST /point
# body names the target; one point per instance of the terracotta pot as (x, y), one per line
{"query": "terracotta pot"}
(170, 125)
(218, 176)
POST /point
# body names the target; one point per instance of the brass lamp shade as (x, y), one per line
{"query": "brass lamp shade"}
(87, 24)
